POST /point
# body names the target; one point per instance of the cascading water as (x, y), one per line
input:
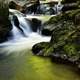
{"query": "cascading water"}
(23, 24)
(19, 42)
(17, 62)
(15, 32)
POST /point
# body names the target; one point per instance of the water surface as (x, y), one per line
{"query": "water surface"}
(26, 66)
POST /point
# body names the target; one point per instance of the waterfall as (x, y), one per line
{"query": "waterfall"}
(20, 41)
(59, 7)
(16, 34)
(23, 30)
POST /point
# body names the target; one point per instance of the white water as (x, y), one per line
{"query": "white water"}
(18, 42)
(15, 32)
(23, 23)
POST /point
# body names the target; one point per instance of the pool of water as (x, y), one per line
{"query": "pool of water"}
(26, 66)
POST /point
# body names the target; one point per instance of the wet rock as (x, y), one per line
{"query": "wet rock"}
(14, 5)
(42, 49)
(49, 26)
(46, 32)
(5, 24)
(38, 47)
(71, 6)
(5, 28)
(36, 24)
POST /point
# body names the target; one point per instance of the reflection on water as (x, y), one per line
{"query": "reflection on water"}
(26, 66)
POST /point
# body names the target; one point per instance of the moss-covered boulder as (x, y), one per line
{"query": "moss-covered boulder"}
(65, 41)
(42, 49)
(66, 37)
(49, 25)
(68, 18)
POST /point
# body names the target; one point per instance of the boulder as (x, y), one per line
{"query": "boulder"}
(14, 5)
(36, 24)
(38, 47)
(42, 49)
(64, 45)
(49, 25)
(5, 24)
(70, 6)
(46, 32)
(5, 29)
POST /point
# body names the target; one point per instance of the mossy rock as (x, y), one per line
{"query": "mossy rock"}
(65, 38)
(72, 52)
(12, 5)
(53, 20)
(42, 49)
(47, 51)
(38, 47)
(70, 49)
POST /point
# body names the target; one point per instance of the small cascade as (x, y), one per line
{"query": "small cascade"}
(16, 33)
(24, 25)
(22, 36)
(21, 27)
(59, 7)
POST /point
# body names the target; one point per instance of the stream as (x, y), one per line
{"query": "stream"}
(18, 63)
(23, 65)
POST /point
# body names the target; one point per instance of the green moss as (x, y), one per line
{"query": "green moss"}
(53, 20)
(70, 49)
(47, 51)
(65, 39)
